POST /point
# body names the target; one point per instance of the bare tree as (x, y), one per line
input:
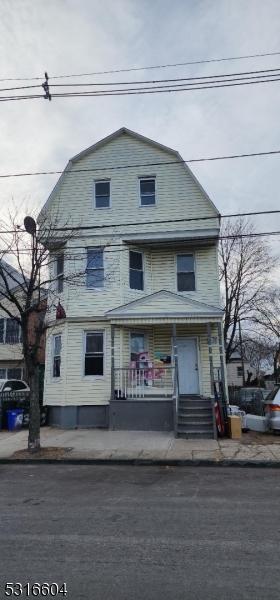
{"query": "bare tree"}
(268, 320)
(259, 352)
(245, 265)
(25, 281)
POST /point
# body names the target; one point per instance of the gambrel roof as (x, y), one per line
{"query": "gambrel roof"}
(110, 138)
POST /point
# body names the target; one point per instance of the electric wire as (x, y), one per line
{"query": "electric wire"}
(149, 67)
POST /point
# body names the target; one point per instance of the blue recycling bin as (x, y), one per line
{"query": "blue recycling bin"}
(14, 419)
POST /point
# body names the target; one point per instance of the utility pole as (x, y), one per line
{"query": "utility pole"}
(241, 351)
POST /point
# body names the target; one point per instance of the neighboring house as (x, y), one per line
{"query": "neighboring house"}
(11, 356)
(148, 291)
(235, 371)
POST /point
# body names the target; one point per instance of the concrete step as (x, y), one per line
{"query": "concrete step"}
(196, 435)
(191, 421)
(195, 412)
(198, 404)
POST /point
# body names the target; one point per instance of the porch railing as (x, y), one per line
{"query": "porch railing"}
(144, 382)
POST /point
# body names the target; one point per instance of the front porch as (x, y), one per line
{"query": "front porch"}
(164, 373)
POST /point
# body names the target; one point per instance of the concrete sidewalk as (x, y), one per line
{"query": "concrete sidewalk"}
(97, 444)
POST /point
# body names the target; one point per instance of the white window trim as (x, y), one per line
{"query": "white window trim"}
(58, 275)
(194, 271)
(54, 355)
(94, 377)
(6, 369)
(143, 269)
(104, 180)
(140, 178)
(5, 334)
(95, 289)
(146, 340)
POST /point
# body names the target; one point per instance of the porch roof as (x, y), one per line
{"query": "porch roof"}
(165, 307)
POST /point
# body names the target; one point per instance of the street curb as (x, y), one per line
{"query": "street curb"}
(269, 464)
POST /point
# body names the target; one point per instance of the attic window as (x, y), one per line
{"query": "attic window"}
(102, 193)
(147, 191)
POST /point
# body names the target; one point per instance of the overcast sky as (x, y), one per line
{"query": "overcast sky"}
(72, 36)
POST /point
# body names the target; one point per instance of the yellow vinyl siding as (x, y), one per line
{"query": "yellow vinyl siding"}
(178, 194)
(73, 388)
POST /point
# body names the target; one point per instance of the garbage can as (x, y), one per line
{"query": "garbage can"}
(15, 418)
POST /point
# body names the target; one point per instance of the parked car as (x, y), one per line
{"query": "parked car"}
(251, 400)
(14, 393)
(272, 409)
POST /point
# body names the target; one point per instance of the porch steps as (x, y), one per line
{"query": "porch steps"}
(195, 418)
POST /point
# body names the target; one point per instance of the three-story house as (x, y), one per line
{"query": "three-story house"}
(141, 344)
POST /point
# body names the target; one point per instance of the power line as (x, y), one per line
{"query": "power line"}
(269, 72)
(149, 90)
(68, 253)
(181, 220)
(158, 90)
(142, 165)
(186, 219)
(149, 67)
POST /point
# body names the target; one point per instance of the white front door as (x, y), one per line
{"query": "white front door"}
(188, 366)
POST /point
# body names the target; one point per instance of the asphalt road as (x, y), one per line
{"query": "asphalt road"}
(129, 533)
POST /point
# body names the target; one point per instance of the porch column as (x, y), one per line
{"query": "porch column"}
(112, 362)
(210, 349)
(222, 360)
(176, 379)
(175, 349)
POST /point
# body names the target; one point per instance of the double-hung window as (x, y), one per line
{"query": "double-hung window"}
(10, 331)
(185, 273)
(59, 272)
(13, 332)
(147, 191)
(136, 274)
(95, 268)
(56, 355)
(94, 353)
(102, 193)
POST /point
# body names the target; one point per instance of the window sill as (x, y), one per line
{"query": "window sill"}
(148, 205)
(93, 377)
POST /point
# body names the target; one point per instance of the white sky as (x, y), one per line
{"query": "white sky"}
(68, 36)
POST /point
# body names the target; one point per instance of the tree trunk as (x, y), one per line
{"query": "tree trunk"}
(34, 422)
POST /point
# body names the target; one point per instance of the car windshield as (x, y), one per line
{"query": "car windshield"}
(2, 383)
(275, 394)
